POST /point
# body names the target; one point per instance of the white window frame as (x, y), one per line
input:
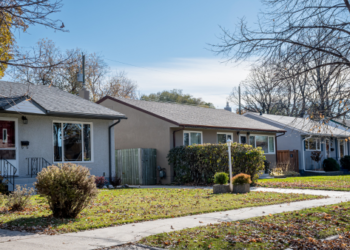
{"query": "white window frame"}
(189, 138)
(345, 147)
(246, 136)
(318, 144)
(268, 143)
(4, 140)
(82, 141)
(223, 133)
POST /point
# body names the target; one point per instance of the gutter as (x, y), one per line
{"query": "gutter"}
(174, 140)
(276, 142)
(110, 147)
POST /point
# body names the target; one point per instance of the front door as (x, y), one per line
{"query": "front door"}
(8, 145)
(327, 148)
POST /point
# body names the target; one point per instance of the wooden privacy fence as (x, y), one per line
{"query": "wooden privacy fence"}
(137, 166)
(288, 160)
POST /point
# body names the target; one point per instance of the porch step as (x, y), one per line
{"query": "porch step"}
(265, 176)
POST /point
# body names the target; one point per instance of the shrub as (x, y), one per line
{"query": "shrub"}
(330, 164)
(68, 188)
(221, 178)
(100, 181)
(2, 199)
(19, 198)
(241, 179)
(116, 181)
(198, 163)
(345, 162)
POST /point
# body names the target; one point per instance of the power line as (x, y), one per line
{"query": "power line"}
(136, 66)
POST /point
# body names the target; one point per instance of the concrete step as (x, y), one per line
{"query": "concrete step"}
(265, 176)
(24, 180)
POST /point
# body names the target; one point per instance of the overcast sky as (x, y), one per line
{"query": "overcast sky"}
(166, 41)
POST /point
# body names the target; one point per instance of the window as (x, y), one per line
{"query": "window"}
(265, 142)
(312, 144)
(4, 135)
(192, 137)
(243, 139)
(72, 142)
(223, 137)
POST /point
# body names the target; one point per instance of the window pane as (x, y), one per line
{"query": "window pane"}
(312, 144)
(8, 154)
(87, 142)
(252, 141)
(243, 139)
(57, 142)
(261, 141)
(7, 134)
(72, 142)
(229, 137)
(271, 145)
(196, 138)
(186, 139)
(222, 138)
(306, 144)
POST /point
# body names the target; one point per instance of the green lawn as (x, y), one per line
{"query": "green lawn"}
(298, 230)
(115, 207)
(339, 183)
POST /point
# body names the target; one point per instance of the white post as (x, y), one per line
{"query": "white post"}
(229, 163)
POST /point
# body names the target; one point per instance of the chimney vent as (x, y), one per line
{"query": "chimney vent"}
(228, 108)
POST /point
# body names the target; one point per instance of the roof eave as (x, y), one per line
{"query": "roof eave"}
(234, 128)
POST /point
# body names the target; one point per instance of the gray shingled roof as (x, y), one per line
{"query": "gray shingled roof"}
(304, 125)
(193, 116)
(57, 102)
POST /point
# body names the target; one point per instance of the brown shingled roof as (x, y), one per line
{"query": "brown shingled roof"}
(193, 116)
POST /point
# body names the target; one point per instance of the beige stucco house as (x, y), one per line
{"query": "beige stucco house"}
(166, 125)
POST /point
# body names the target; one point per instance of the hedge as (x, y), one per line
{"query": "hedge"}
(198, 163)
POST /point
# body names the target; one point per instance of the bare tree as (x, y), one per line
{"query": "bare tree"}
(98, 77)
(20, 15)
(292, 23)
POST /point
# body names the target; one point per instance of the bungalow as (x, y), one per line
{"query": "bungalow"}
(43, 125)
(306, 136)
(166, 125)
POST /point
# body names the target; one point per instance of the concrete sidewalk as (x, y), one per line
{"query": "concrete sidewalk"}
(112, 236)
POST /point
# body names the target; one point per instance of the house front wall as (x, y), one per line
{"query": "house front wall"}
(142, 130)
(39, 133)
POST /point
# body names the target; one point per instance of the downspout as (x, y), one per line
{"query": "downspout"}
(276, 143)
(303, 148)
(110, 148)
(174, 140)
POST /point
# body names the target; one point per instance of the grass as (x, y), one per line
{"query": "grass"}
(303, 229)
(115, 207)
(338, 183)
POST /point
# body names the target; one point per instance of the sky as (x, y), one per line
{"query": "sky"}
(161, 44)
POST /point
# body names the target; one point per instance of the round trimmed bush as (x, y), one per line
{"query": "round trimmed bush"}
(330, 164)
(241, 179)
(68, 188)
(221, 178)
(345, 162)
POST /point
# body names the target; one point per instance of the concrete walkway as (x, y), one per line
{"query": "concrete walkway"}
(112, 236)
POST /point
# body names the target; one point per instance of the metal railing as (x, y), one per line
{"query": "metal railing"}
(8, 171)
(36, 164)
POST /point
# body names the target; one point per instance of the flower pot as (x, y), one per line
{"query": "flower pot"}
(241, 188)
(221, 189)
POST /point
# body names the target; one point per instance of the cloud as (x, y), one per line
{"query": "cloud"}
(201, 77)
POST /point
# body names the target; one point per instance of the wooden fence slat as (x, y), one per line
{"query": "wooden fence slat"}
(288, 159)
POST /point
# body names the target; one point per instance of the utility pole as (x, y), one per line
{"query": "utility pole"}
(83, 71)
(239, 99)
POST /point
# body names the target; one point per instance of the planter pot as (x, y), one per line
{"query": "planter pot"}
(241, 188)
(221, 189)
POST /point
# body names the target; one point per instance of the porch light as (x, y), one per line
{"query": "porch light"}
(25, 120)
(229, 143)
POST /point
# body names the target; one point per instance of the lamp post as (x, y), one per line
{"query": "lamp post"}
(229, 142)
